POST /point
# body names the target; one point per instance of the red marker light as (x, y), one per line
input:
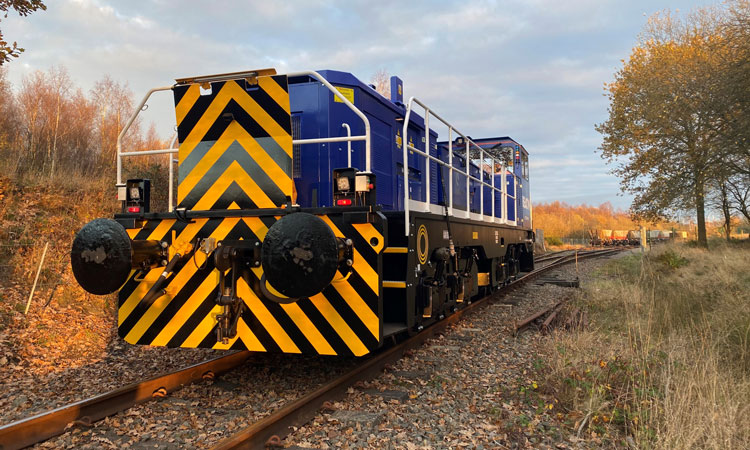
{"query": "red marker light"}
(134, 209)
(343, 202)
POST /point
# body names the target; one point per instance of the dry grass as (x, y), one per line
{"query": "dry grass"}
(64, 325)
(666, 360)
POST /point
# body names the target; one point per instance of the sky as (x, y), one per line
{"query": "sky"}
(530, 69)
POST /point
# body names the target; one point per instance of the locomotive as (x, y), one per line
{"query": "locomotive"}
(313, 216)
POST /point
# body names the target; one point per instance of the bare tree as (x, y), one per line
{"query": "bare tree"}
(57, 96)
(8, 119)
(33, 121)
(725, 207)
(382, 82)
(738, 188)
(50, 126)
(114, 104)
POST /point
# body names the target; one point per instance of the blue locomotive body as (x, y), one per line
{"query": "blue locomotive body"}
(313, 215)
(317, 113)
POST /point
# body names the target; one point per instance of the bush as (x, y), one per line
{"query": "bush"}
(672, 259)
(553, 241)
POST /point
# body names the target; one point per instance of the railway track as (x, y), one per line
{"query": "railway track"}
(40, 427)
(270, 431)
(267, 431)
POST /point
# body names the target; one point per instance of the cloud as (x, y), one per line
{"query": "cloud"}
(531, 69)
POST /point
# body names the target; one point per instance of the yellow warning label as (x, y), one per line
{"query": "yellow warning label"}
(348, 93)
(475, 235)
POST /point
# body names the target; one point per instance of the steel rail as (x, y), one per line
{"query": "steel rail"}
(38, 428)
(270, 430)
(550, 255)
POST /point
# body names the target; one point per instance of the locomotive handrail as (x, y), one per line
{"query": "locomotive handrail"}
(365, 137)
(125, 129)
(468, 142)
(348, 144)
(348, 138)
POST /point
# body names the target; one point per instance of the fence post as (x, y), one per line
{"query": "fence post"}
(38, 271)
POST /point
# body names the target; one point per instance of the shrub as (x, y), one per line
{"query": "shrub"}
(672, 259)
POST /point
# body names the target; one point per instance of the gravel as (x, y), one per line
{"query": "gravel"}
(122, 364)
(201, 414)
(476, 386)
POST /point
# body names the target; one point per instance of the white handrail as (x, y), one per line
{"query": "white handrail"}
(348, 145)
(355, 110)
(127, 127)
(467, 171)
(349, 138)
(330, 139)
(427, 150)
(450, 172)
(481, 189)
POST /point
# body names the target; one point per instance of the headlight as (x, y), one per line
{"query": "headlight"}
(342, 183)
(135, 193)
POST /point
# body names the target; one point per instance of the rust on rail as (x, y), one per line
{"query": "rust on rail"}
(527, 321)
(280, 423)
(43, 426)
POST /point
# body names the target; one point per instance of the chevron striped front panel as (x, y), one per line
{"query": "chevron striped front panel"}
(235, 144)
(342, 320)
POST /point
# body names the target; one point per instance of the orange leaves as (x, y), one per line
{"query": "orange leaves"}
(558, 219)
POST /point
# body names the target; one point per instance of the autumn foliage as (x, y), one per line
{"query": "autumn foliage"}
(558, 219)
(51, 127)
(561, 220)
(57, 167)
(679, 114)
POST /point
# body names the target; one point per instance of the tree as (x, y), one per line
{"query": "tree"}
(736, 85)
(50, 127)
(55, 123)
(7, 112)
(723, 202)
(738, 188)
(665, 123)
(114, 103)
(23, 8)
(382, 83)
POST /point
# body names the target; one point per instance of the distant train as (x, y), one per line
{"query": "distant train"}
(633, 237)
(601, 237)
(313, 216)
(612, 237)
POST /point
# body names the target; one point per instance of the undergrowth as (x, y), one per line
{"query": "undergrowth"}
(665, 362)
(65, 326)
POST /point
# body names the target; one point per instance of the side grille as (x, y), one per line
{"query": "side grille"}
(296, 157)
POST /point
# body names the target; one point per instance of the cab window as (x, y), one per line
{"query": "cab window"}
(525, 162)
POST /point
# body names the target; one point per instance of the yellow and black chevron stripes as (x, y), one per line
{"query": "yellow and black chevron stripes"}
(344, 319)
(235, 144)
